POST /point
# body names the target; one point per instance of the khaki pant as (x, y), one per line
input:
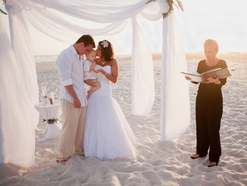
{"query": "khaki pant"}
(72, 134)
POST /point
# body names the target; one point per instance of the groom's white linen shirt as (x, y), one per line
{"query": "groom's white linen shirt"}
(69, 65)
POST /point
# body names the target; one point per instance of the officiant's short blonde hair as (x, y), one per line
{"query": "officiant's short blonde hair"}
(212, 43)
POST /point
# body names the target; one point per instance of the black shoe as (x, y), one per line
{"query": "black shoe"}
(212, 163)
(195, 156)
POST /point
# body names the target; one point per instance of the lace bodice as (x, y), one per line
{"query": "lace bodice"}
(101, 77)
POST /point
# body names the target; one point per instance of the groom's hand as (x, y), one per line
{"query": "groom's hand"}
(77, 103)
(72, 93)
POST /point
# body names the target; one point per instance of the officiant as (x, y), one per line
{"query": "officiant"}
(209, 106)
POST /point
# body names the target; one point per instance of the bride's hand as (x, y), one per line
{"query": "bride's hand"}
(97, 71)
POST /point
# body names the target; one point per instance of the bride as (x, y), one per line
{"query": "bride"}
(107, 132)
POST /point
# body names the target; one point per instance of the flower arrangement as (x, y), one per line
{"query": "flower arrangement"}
(170, 4)
(4, 1)
(50, 121)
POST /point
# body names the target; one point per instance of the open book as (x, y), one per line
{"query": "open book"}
(202, 78)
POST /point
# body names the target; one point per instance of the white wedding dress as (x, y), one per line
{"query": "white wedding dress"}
(107, 132)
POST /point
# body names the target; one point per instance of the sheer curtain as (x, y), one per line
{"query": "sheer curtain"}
(54, 18)
(175, 105)
(17, 130)
(22, 46)
(142, 75)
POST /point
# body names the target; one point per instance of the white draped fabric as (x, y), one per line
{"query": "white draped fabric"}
(65, 21)
(22, 47)
(48, 112)
(175, 105)
(17, 129)
(142, 75)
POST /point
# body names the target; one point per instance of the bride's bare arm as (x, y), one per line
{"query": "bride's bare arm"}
(114, 70)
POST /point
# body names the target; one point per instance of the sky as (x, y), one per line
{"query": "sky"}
(222, 20)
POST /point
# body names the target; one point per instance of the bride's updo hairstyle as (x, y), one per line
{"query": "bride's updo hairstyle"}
(107, 52)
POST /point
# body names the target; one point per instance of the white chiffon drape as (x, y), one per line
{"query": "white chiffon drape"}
(175, 105)
(66, 21)
(17, 130)
(142, 75)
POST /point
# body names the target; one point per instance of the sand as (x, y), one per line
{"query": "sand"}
(157, 163)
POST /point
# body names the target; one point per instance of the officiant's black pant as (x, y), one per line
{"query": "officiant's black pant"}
(209, 108)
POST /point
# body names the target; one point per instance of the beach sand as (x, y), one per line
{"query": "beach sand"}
(157, 163)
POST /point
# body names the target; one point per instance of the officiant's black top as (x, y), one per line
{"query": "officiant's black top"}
(210, 93)
(209, 109)
(203, 67)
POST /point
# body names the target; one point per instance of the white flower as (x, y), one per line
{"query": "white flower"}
(105, 44)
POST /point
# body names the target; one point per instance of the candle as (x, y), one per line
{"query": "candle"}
(51, 97)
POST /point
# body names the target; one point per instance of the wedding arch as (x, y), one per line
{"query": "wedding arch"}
(19, 88)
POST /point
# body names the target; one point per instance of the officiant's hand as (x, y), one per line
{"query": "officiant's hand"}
(213, 80)
(187, 78)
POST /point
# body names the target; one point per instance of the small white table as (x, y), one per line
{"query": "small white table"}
(50, 113)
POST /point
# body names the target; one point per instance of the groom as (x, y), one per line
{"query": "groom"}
(73, 98)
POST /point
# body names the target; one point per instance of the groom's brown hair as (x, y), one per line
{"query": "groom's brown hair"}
(87, 40)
